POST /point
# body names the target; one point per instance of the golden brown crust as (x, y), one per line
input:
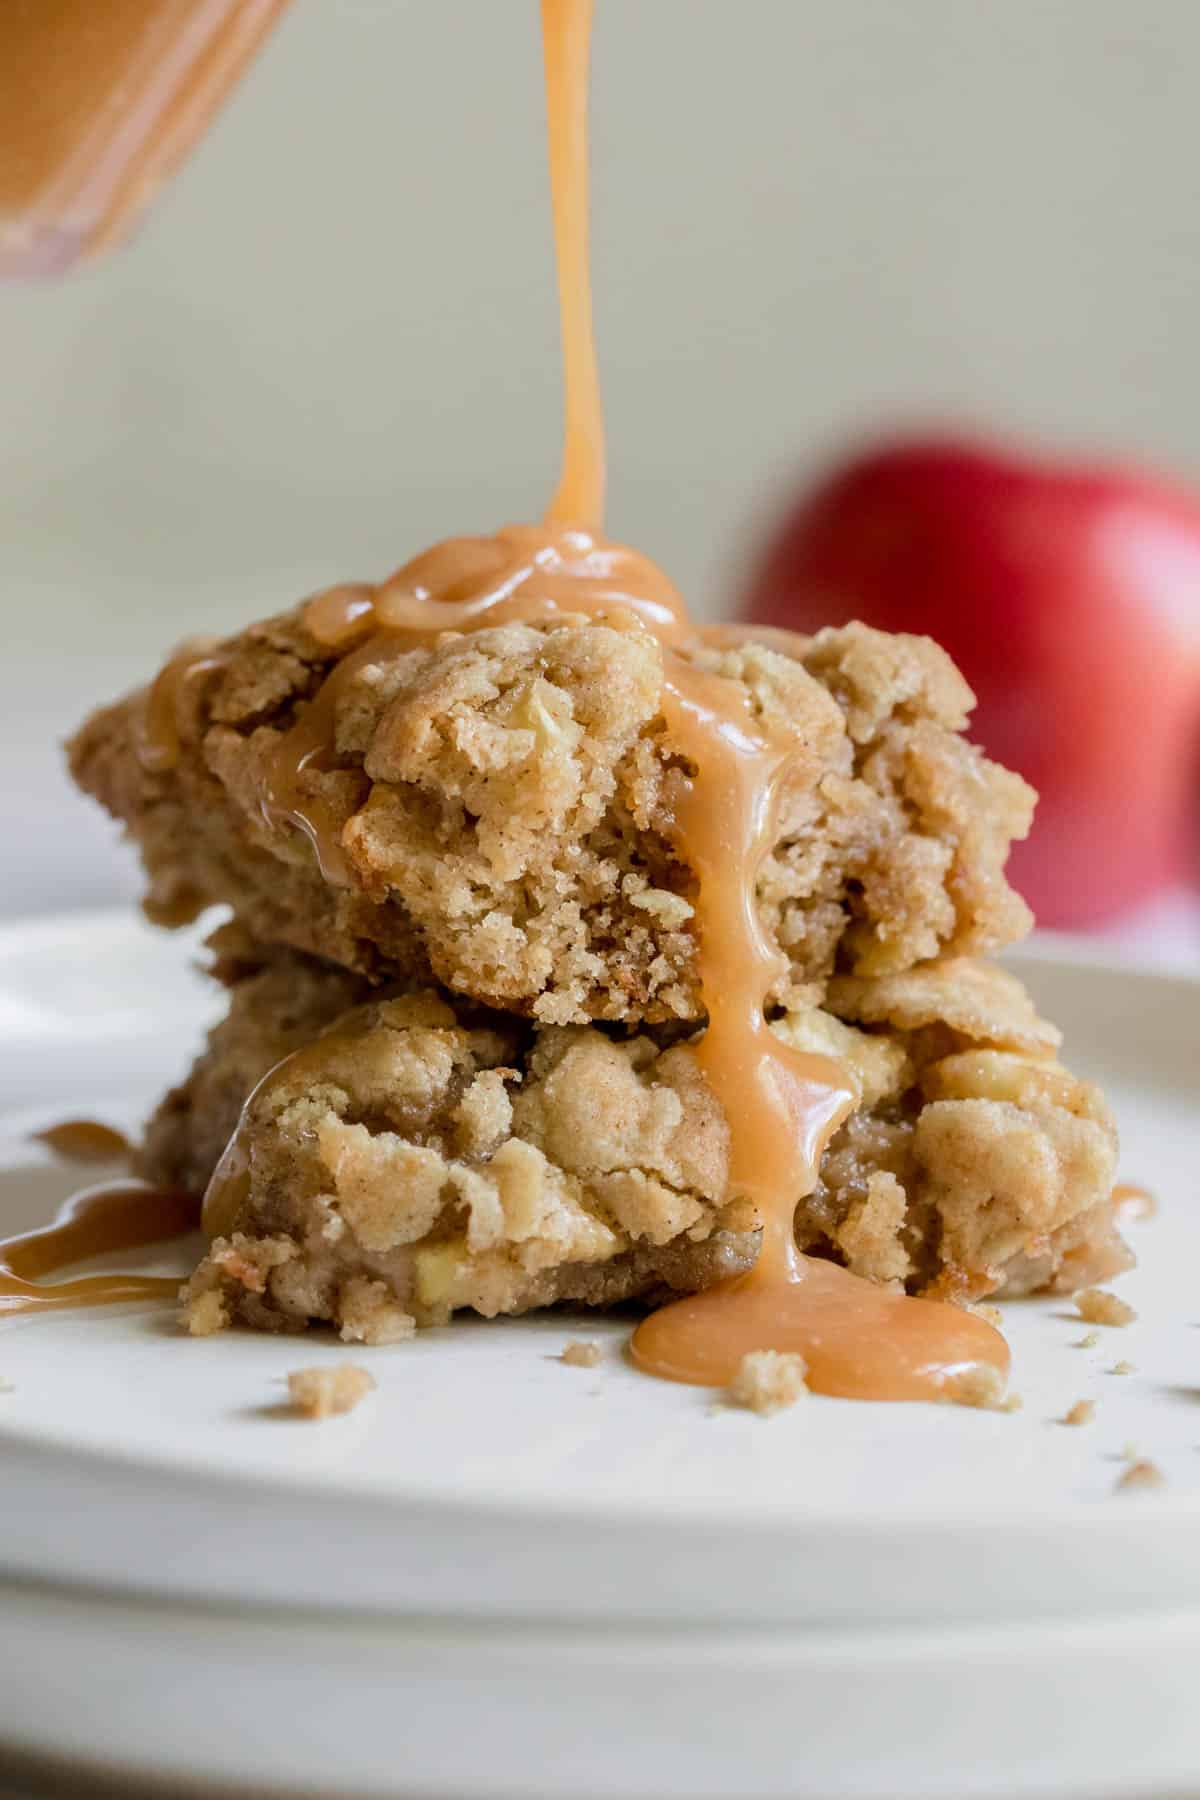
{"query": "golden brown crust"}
(505, 804)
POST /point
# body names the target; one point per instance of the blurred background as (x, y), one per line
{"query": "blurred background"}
(335, 338)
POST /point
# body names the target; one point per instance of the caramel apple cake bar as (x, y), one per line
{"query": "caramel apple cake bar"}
(458, 1065)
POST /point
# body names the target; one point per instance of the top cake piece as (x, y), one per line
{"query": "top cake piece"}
(501, 806)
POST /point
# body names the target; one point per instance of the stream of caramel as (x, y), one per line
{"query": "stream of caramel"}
(566, 47)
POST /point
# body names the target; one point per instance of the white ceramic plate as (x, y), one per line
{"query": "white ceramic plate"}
(492, 1523)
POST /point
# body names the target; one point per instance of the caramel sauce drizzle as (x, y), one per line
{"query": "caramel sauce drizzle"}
(566, 47)
(1133, 1202)
(85, 1140)
(96, 1222)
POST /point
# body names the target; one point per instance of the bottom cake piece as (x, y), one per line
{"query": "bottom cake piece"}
(413, 1156)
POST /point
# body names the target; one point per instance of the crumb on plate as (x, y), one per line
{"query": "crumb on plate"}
(768, 1380)
(1088, 1341)
(318, 1393)
(1122, 1368)
(1099, 1307)
(1141, 1474)
(1082, 1413)
(581, 1353)
(982, 1387)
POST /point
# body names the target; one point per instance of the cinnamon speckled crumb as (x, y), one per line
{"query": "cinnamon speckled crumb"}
(1141, 1474)
(1082, 1413)
(1101, 1308)
(318, 1393)
(768, 1380)
(581, 1353)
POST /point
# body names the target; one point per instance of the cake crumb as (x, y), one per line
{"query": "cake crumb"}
(1122, 1368)
(981, 1387)
(581, 1353)
(1101, 1308)
(1088, 1341)
(6, 1387)
(1082, 1413)
(1142, 1474)
(318, 1393)
(768, 1380)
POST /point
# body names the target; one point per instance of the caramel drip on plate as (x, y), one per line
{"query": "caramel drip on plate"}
(85, 1140)
(1134, 1203)
(96, 1222)
(857, 1339)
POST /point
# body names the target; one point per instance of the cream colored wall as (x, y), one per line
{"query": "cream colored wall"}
(336, 338)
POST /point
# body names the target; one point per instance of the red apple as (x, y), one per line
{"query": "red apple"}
(1069, 596)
